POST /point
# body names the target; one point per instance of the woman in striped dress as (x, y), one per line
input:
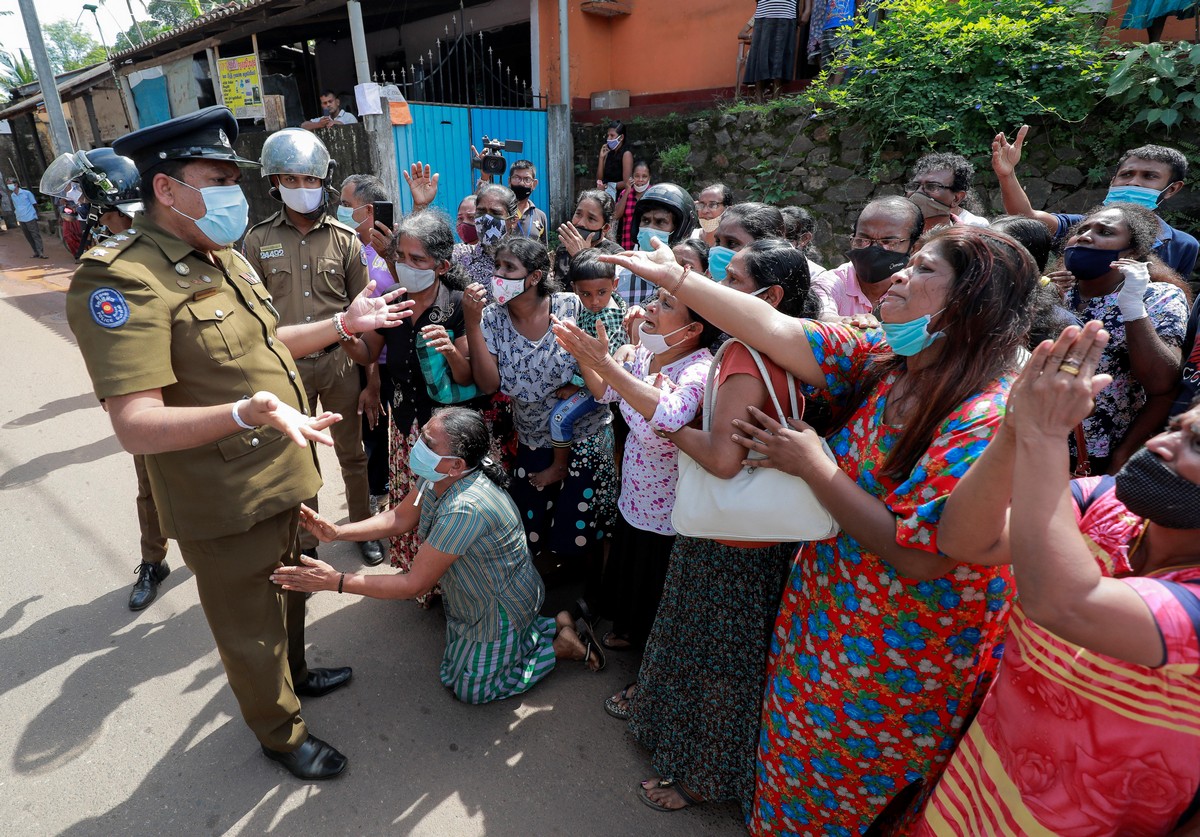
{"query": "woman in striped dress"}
(473, 544)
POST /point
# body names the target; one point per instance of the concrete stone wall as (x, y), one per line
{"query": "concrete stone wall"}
(783, 156)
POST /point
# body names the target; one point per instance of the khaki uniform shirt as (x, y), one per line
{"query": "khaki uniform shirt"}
(311, 276)
(149, 312)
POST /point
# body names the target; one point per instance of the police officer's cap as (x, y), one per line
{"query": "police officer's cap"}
(207, 134)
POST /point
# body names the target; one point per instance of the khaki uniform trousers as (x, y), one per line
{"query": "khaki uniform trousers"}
(258, 626)
(333, 379)
(154, 543)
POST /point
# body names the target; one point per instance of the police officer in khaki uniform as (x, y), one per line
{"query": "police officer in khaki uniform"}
(182, 341)
(313, 266)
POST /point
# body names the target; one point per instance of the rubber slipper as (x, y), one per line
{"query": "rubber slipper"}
(618, 705)
(590, 646)
(663, 784)
(585, 613)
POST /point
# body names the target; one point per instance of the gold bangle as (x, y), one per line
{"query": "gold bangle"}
(687, 268)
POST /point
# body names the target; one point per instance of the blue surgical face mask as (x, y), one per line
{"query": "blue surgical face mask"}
(1087, 263)
(1141, 195)
(718, 260)
(646, 235)
(613, 143)
(423, 461)
(225, 213)
(346, 215)
(907, 339)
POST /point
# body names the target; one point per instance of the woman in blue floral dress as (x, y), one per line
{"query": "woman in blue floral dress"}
(883, 646)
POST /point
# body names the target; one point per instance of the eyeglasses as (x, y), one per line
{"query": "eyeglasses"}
(709, 206)
(522, 181)
(926, 186)
(860, 242)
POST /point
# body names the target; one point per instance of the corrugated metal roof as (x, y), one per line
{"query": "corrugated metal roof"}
(73, 82)
(232, 9)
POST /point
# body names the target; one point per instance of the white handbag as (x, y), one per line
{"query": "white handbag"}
(757, 504)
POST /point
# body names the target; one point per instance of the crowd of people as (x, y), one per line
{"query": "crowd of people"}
(955, 638)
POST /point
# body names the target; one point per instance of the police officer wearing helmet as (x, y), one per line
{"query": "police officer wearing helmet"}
(182, 340)
(109, 183)
(666, 212)
(313, 266)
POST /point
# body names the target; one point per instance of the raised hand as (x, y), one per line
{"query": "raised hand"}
(591, 352)
(422, 183)
(1057, 387)
(368, 313)
(474, 300)
(1006, 155)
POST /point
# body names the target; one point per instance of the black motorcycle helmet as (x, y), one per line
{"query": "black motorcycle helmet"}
(677, 201)
(110, 181)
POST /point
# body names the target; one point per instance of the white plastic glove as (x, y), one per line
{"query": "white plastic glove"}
(1131, 299)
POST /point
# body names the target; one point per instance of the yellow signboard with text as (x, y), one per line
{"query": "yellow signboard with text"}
(241, 88)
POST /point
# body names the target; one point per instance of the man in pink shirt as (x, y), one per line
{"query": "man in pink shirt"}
(885, 234)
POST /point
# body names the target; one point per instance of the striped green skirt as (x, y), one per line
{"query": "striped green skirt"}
(479, 672)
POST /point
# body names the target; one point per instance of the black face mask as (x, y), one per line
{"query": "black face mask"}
(1150, 489)
(874, 264)
(591, 236)
(522, 192)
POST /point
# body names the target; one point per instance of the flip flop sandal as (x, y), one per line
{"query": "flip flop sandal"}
(618, 705)
(590, 645)
(585, 613)
(663, 784)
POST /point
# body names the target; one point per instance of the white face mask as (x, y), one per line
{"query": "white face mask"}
(709, 225)
(303, 201)
(505, 291)
(413, 279)
(656, 344)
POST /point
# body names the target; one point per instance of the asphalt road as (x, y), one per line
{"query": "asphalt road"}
(121, 723)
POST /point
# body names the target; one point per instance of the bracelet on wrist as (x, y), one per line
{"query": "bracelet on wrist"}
(687, 268)
(237, 416)
(341, 581)
(339, 325)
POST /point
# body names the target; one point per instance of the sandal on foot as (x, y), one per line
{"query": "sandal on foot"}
(664, 784)
(585, 613)
(608, 638)
(618, 705)
(590, 645)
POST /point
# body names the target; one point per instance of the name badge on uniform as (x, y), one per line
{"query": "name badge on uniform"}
(109, 308)
(270, 251)
(204, 294)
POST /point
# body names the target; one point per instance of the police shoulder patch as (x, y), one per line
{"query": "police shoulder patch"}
(109, 308)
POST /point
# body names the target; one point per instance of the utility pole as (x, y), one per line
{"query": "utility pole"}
(60, 137)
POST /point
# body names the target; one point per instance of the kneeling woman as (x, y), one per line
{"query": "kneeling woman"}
(472, 542)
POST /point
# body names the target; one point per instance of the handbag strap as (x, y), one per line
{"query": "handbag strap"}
(1083, 468)
(711, 385)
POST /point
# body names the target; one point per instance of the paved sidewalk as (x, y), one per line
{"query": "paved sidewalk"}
(122, 724)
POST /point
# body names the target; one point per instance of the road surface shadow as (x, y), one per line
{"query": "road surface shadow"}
(38, 468)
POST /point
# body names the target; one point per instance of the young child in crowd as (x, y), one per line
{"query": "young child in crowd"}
(595, 283)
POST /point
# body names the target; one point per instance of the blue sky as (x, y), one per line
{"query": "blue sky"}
(113, 15)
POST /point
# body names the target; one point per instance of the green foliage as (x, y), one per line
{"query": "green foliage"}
(673, 165)
(69, 46)
(767, 184)
(16, 70)
(1163, 78)
(952, 74)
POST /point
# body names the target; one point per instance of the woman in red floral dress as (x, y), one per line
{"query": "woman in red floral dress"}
(883, 646)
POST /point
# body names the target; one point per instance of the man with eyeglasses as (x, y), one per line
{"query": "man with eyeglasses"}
(940, 184)
(884, 236)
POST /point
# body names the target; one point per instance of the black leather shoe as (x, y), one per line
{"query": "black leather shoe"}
(145, 589)
(322, 681)
(314, 759)
(372, 553)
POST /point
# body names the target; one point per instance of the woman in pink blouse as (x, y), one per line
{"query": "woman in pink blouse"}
(659, 392)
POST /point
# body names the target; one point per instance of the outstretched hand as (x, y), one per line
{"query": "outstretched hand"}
(312, 575)
(265, 409)
(658, 267)
(422, 183)
(1050, 397)
(323, 530)
(1006, 155)
(369, 313)
(589, 351)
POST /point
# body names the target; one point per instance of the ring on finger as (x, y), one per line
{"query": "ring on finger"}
(1068, 367)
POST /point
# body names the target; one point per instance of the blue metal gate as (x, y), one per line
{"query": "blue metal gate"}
(442, 136)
